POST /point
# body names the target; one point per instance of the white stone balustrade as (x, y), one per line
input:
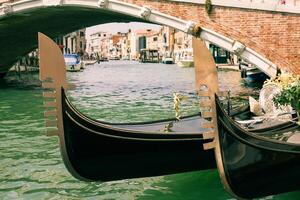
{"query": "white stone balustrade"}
(289, 6)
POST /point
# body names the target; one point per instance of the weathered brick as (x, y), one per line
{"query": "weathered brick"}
(274, 35)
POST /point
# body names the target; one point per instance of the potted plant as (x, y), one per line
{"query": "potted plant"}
(290, 92)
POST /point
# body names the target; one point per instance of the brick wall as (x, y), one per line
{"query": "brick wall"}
(274, 35)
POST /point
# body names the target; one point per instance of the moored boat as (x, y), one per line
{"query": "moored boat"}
(89, 62)
(167, 58)
(256, 165)
(73, 62)
(149, 56)
(250, 164)
(184, 58)
(95, 150)
(185, 63)
(252, 74)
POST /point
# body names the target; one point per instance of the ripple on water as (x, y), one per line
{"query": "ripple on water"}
(31, 166)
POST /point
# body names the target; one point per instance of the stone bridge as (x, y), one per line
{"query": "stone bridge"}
(264, 32)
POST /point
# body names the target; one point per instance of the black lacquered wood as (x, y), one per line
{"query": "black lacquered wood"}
(256, 166)
(97, 151)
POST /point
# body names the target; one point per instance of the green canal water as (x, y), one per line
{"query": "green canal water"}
(119, 91)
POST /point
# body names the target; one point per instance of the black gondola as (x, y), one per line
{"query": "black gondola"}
(94, 150)
(250, 164)
(98, 151)
(256, 166)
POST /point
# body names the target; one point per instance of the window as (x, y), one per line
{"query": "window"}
(81, 34)
(165, 38)
(80, 44)
(155, 39)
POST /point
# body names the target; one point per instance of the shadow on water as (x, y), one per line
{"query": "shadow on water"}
(254, 85)
(24, 81)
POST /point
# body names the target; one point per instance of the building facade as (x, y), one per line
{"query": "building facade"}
(74, 42)
(98, 44)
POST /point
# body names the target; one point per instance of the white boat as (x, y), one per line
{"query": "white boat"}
(89, 62)
(73, 63)
(185, 63)
(184, 58)
(167, 58)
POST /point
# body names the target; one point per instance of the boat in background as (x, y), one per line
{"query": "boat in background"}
(89, 62)
(251, 73)
(73, 62)
(184, 58)
(149, 56)
(103, 59)
(167, 58)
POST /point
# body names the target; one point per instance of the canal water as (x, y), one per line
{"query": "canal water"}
(116, 91)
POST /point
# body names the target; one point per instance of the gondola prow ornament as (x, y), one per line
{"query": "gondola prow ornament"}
(102, 151)
(250, 165)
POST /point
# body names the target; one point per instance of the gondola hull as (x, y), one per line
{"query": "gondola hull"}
(100, 153)
(255, 166)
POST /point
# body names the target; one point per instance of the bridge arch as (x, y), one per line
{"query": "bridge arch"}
(54, 18)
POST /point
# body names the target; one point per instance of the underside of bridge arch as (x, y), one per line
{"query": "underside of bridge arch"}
(22, 20)
(18, 31)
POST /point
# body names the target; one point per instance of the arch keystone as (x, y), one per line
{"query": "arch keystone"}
(52, 2)
(7, 8)
(145, 12)
(238, 48)
(103, 3)
(190, 27)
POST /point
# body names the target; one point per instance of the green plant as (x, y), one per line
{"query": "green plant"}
(290, 94)
(208, 6)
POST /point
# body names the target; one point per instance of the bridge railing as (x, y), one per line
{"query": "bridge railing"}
(279, 2)
(289, 6)
(292, 6)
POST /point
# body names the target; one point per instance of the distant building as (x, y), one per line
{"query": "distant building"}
(162, 41)
(98, 44)
(166, 41)
(182, 48)
(135, 47)
(125, 45)
(182, 41)
(152, 41)
(104, 47)
(115, 46)
(74, 42)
